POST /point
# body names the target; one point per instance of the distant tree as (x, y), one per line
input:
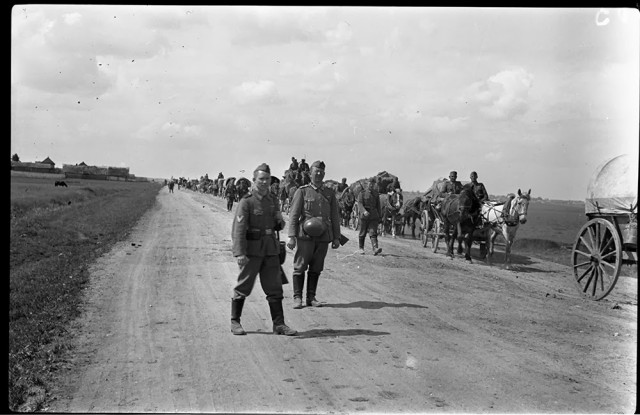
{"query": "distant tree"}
(15, 157)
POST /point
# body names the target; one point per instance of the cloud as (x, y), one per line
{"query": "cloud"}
(504, 94)
(251, 92)
(340, 35)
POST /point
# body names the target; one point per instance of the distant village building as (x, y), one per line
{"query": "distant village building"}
(84, 171)
(45, 166)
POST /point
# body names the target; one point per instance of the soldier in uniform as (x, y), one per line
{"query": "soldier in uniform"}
(256, 249)
(478, 188)
(453, 186)
(370, 213)
(294, 164)
(230, 193)
(342, 185)
(304, 166)
(312, 203)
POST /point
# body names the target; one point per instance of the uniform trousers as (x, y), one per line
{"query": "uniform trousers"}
(269, 269)
(309, 257)
(367, 225)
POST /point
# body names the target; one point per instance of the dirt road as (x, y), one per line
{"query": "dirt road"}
(409, 331)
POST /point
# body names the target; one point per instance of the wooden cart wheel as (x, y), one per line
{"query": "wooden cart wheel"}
(354, 218)
(437, 231)
(597, 258)
(424, 226)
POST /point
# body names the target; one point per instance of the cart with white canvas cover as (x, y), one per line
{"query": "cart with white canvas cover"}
(609, 238)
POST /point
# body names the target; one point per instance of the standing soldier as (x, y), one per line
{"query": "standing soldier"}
(257, 251)
(314, 223)
(370, 213)
(230, 194)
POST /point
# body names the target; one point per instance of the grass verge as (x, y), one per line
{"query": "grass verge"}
(51, 246)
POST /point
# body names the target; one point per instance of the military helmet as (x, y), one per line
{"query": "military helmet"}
(313, 227)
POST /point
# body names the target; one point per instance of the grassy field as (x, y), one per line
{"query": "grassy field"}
(55, 232)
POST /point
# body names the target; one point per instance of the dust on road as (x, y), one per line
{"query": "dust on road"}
(408, 331)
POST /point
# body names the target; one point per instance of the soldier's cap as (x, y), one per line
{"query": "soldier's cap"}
(453, 172)
(473, 172)
(263, 167)
(318, 164)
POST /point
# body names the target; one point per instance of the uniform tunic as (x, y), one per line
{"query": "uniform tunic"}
(320, 202)
(369, 201)
(252, 234)
(480, 191)
(453, 187)
(311, 201)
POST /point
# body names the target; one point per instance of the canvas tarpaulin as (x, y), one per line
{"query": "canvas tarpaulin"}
(613, 189)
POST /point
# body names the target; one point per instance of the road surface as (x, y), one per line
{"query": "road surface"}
(409, 331)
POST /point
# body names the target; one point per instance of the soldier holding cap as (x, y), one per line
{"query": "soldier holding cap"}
(314, 223)
(370, 212)
(256, 249)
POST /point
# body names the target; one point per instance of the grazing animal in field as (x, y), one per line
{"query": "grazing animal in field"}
(460, 212)
(60, 183)
(504, 220)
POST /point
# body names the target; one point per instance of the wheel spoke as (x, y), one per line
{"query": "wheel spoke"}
(586, 286)
(582, 253)
(608, 255)
(582, 264)
(592, 238)
(603, 274)
(609, 264)
(606, 246)
(584, 273)
(587, 244)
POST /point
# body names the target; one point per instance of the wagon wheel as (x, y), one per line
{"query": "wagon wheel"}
(424, 226)
(354, 218)
(597, 258)
(437, 232)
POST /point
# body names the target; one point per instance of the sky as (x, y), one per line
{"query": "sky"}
(528, 98)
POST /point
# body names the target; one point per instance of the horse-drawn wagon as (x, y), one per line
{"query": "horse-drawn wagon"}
(383, 179)
(608, 239)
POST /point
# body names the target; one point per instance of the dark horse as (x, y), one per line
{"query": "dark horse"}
(346, 200)
(390, 205)
(460, 212)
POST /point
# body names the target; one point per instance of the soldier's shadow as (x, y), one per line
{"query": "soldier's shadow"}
(373, 305)
(318, 333)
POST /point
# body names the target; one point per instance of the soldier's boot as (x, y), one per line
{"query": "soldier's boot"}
(298, 285)
(361, 246)
(277, 316)
(312, 286)
(374, 244)
(236, 312)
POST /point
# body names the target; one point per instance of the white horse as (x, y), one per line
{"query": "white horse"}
(504, 220)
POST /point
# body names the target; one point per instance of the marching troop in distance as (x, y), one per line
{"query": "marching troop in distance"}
(316, 209)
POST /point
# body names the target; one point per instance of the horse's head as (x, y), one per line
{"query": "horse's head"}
(468, 204)
(520, 206)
